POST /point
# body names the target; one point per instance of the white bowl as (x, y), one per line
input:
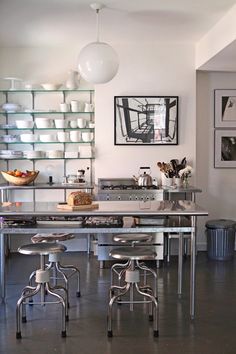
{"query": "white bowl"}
(61, 123)
(63, 137)
(44, 122)
(50, 86)
(24, 124)
(11, 107)
(55, 154)
(28, 138)
(47, 138)
(34, 154)
(87, 137)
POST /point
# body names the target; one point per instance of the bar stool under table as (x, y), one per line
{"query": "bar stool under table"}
(120, 268)
(132, 279)
(42, 282)
(55, 259)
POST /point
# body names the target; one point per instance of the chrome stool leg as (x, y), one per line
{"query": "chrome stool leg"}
(74, 270)
(149, 270)
(132, 280)
(111, 302)
(156, 312)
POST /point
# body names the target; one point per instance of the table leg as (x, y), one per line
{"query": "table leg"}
(193, 267)
(180, 263)
(2, 265)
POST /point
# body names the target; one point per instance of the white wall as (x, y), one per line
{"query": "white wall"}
(219, 187)
(161, 69)
(218, 38)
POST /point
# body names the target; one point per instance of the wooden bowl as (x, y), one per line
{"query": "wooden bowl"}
(19, 181)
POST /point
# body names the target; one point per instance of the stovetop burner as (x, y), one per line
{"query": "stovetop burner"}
(127, 187)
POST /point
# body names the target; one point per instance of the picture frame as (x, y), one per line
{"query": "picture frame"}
(146, 120)
(225, 148)
(225, 108)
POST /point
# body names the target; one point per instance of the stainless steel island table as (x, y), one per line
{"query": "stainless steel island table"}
(180, 208)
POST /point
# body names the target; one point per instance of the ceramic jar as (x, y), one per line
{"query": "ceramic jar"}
(72, 81)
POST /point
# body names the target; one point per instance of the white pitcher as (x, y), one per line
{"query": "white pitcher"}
(72, 81)
(88, 107)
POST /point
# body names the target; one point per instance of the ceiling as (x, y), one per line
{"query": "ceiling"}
(62, 22)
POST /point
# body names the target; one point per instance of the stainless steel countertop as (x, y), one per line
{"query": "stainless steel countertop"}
(48, 186)
(106, 208)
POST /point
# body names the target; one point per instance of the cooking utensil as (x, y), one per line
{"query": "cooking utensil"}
(144, 179)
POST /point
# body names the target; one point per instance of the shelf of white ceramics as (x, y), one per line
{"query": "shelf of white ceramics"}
(42, 112)
(42, 90)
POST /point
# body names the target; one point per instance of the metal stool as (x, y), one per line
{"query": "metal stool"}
(132, 239)
(132, 279)
(42, 283)
(55, 258)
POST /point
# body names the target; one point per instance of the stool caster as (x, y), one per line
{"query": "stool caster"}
(63, 334)
(18, 335)
(156, 333)
(109, 334)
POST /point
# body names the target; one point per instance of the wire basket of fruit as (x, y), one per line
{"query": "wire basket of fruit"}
(19, 178)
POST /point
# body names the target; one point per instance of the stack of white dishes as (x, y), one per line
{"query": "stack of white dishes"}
(28, 138)
(10, 154)
(34, 154)
(24, 124)
(9, 138)
(48, 138)
(11, 107)
(55, 154)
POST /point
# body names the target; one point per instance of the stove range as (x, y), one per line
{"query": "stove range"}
(126, 189)
(118, 189)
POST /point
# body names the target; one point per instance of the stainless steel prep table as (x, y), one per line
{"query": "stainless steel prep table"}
(107, 208)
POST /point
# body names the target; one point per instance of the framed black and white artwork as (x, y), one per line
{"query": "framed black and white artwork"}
(146, 120)
(225, 148)
(225, 108)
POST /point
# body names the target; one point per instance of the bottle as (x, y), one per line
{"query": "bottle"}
(72, 81)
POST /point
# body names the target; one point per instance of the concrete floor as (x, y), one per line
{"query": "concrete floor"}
(212, 332)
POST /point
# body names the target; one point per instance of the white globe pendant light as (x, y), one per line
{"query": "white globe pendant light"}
(98, 61)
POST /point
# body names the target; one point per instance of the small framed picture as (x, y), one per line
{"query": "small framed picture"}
(225, 148)
(225, 108)
(146, 120)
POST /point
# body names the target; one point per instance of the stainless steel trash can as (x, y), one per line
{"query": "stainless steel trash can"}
(220, 239)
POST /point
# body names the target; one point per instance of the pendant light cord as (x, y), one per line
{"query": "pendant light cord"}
(98, 25)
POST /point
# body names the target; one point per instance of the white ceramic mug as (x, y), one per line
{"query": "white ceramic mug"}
(81, 123)
(88, 107)
(73, 124)
(75, 106)
(61, 123)
(64, 107)
(75, 136)
(63, 137)
(87, 136)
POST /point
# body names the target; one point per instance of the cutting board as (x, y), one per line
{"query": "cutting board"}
(78, 207)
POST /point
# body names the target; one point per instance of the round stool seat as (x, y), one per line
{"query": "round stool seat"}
(133, 253)
(42, 249)
(132, 238)
(52, 237)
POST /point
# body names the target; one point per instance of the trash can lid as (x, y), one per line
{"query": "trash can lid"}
(220, 224)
